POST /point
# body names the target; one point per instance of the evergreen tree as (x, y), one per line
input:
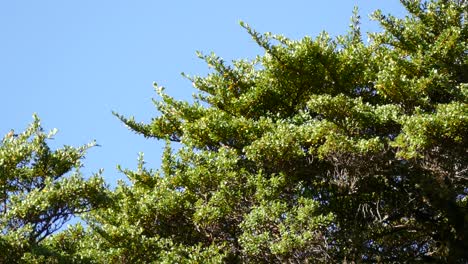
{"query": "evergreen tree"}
(41, 190)
(320, 151)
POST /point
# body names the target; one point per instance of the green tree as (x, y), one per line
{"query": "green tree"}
(41, 190)
(322, 150)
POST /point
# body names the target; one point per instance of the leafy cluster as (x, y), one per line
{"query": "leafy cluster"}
(40, 190)
(322, 150)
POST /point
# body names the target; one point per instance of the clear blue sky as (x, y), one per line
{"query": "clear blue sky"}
(73, 62)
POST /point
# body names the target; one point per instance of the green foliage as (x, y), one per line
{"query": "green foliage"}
(41, 189)
(323, 150)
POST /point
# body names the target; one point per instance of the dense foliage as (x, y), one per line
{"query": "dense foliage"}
(40, 189)
(323, 150)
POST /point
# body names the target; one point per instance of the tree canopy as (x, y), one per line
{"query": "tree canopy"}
(41, 189)
(322, 150)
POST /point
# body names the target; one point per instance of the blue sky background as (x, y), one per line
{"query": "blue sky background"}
(73, 62)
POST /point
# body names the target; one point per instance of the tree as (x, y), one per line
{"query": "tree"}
(41, 190)
(323, 150)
